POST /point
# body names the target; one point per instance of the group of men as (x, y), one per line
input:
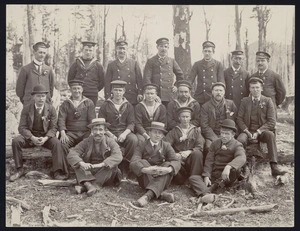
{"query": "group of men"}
(150, 124)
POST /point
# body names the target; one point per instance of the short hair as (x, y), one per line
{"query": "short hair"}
(150, 88)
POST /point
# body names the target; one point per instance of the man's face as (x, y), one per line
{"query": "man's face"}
(237, 61)
(76, 91)
(88, 52)
(208, 53)
(40, 54)
(255, 89)
(98, 132)
(226, 135)
(39, 99)
(121, 51)
(184, 93)
(150, 95)
(156, 135)
(262, 63)
(163, 49)
(118, 92)
(184, 117)
(218, 93)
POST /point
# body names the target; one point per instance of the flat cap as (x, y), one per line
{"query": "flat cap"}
(75, 82)
(218, 84)
(208, 44)
(184, 109)
(162, 41)
(184, 83)
(88, 43)
(255, 79)
(118, 83)
(262, 54)
(150, 86)
(40, 44)
(237, 52)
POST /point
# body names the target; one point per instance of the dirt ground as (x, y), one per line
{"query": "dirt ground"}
(110, 206)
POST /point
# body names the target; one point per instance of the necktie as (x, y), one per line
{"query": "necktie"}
(255, 101)
(39, 109)
(40, 69)
(260, 74)
(154, 146)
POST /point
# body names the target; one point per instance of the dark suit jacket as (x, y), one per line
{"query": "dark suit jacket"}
(27, 117)
(144, 156)
(29, 77)
(162, 74)
(266, 114)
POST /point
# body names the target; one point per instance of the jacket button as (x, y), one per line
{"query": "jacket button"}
(231, 86)
(119, 77)
(229, 93)
(211, 76)
(160, 73)
(118, 70)
(241, 85)
(128, 82)
(128, 68)
(128, 75)
(203, 77)
(212, 69)
(203, 70)
(160, 80)
(169, 80)
(241, 79)
(241, 93)
(169, 73)
(204, 90)
(203, 83)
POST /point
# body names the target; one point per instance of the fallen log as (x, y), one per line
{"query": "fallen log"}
(16, 215)
(253, 209)
(36, 175)
(30, 153)
(57, 183)
(23, 204)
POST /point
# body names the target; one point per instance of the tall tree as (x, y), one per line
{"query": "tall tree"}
(238, 24)
(246, 48)
(105, 50)
(207, 24)
(181, 20)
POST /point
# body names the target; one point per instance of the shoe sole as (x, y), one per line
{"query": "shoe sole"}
(91, 192)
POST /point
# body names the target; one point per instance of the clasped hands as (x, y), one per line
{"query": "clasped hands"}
(157, 170)
(89, 166)
(38, 141)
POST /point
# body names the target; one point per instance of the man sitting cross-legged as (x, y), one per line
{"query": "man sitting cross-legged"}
(96, 158)
(187, 141)
(155, 163)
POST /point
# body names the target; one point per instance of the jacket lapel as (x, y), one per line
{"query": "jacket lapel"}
(249, 109)
(148, 148)
(33, 68)
(45, 116)
(31, 115)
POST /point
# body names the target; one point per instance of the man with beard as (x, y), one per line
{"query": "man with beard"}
(160, 70)
(89, 70)
(36, 72)
(207, 71)
(38, 128)
(214, 112)
(223, 163)
(235, 77)
(95, 159)
(74, 115)
(128, 70)
(147, 111)
(188, 143)
(120, 114)
(256, 118)
(184, 99)
(155, 163)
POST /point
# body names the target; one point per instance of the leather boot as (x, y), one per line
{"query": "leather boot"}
(20, 172)
(142, 201)
(275, 170)
(91, 189)
(169, 197)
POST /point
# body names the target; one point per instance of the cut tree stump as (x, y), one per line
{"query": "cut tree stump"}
(30, 153)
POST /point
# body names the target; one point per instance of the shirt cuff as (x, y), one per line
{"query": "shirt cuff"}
(258, 131)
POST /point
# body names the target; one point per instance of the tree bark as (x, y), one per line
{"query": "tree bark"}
(238, 24)
(246, 48)
(105, 51)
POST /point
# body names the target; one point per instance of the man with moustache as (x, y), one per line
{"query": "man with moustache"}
(235, 77)
(34, 73)
(184, 99)
(95, 159)
(160, 70)
(128, 70)
(89, 70)
(207, 71)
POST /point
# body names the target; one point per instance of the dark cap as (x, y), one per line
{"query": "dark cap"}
(184, 109)
(218, 84)
(237, 52)
(88, 43)
(118, 83)
(39, 89)
(162, 41)
(158, 126)
(150, 86)
(262, 54)
(121, 43)
(254, 79)
(40, 44)
(184, 83)
(208, 44)
(228, 123)
(75, 82)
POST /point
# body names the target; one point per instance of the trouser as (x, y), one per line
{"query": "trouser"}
(165, 103)
(266, 137)
(94, 98)
(104, 176)
(59, 161)
(141, 138)
(156, 184)
(74, 138)
(193, 165)
(129, 146)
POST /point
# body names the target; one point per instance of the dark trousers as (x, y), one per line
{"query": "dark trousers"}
(129, 146)
(74, 138)
(165, 103)
(59, 161)
(266, 137)
(193, 165)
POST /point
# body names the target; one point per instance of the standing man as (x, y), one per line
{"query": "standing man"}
(256, 118)
(214, 112)
(95, 159)
(150, 153)
(89, 70)
(74, 115)
(235, 77)
(207, 71)
(125, 69)
(38, 128)
(184, 99)
(120, 114)
(34, 73)
(160, 70)
(273, 86)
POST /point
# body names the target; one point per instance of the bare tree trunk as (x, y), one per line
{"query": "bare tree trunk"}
(238, 24)
(207, 24)
(293, 41)
(182, 51)
(246, 48)
(31, 25)
(105, 51)
(139, 38)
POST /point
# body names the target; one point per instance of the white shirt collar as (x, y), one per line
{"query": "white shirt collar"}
(254, 98)
(263, 71)
(122, 60)
(37, 62)
(153, 143)
(235, 69)
(161, 57)
(36, 107)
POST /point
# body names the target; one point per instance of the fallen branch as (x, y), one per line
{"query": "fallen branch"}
(163, 203)
(23, 204)
(253, 209)
(57, 183)
(116, 205)
(16, 215)
(135, 207)
(129, 181)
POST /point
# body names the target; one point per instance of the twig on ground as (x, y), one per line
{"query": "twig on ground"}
(23, 204)
(163, 203)
(135, 207)
(46, 219)
(116, 205)
(129, 181)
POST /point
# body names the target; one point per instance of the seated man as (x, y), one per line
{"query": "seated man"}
(38, 128)
(187, 141)
(224, 160)
(120, 114)
(150, 153)
(214, 112)
(74, 115)
(257, 119)
(96, 158)
(184, 99)
(148, 110)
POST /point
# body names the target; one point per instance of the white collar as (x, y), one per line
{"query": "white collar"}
(255, 98)
(262, 72)
(235, 70)
(152, 143)
(122, 60)
(161, 57)
(38, 63)
(36, 107)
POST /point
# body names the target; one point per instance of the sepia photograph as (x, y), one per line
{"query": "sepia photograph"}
(150, 115)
